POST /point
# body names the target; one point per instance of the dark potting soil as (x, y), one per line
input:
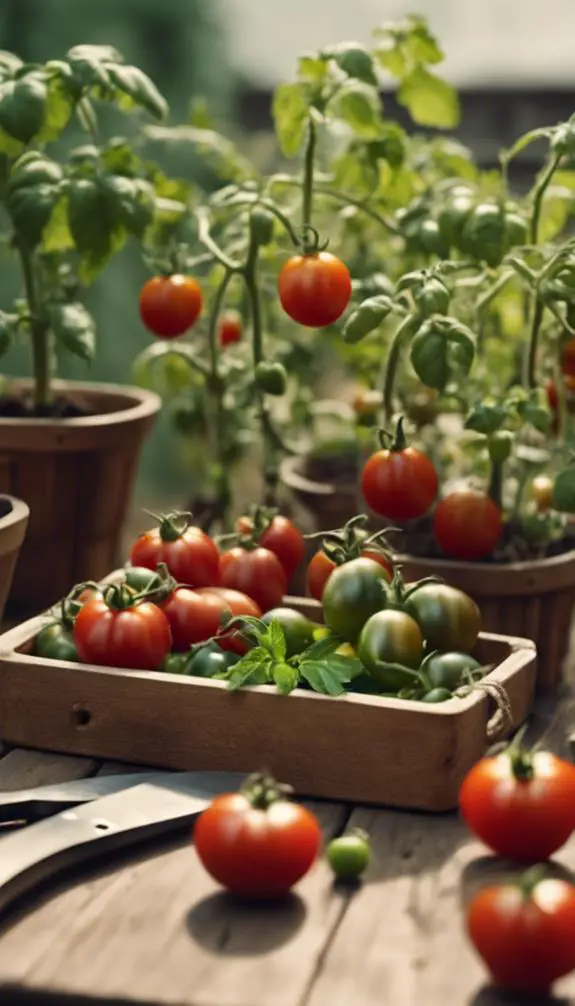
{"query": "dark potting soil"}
(17, 407)
(5, 507)
(418, 540)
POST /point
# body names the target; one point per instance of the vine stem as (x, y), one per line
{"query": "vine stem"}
(309, 162)
(408, 327)
(268, 441)
(340, 197)
(540, 190)
(216, 391)
(496, 482)
(39, 331)
(531, 364)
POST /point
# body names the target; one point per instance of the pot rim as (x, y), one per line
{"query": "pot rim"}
(536, 576)
(13, 525)
(144, 404)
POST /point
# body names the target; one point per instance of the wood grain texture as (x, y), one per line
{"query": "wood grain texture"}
(178, 722)
(20, 769)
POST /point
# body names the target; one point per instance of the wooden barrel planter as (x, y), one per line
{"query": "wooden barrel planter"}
(530, 599)
(330, 501)
(14, 514)
(76, 475)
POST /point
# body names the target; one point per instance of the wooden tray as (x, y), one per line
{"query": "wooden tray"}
(360, 748)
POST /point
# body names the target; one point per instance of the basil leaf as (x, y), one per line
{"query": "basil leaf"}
(277, 641)
(322, 678)
(285, 677)
(322, 648)
(253, 669)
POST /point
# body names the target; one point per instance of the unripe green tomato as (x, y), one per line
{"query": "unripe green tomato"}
(262, 225)
(271, 378)
(349, 855)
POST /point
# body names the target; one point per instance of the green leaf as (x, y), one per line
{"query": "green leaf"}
(58, 111)
(312, 69)
(322, 648)
(9, 64)
(23, 107)
(8, 330)
(56, 236)
(525, 140)
(356, 172)
(558, 206)
(430, 100)
(31, 208)
(322, 678)
(285, 676)
(252, 669)
(366, 318)
(165, 369)
(133, 200)
(486, 417)
(442, 351)
(420, 43)
(215, 150)
(291, 112)
(95, 224)
(563, 498)
(137, 90)
(359, 106)
(277, 640)
(88, 65)
(74, 329)
(391, 58)
(354, 59)
(87, 116)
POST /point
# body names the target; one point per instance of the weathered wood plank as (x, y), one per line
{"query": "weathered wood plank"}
(21, 769)
(159, 930)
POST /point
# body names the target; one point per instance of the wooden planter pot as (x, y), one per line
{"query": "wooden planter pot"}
(531, 599)
(14, 514)
(361, 748)
(331, 504)
(76, 476)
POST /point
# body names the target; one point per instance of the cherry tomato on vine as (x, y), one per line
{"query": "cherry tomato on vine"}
(256, 572)
(239, 604)
(467, 524)
(256, 843)
(320, 568)
(281, 537)
(190, 555)
(193, 617)
(542, 492)
(230, 328)
(169, 305)
(520, 804)
(400, 484)
(314, 289)
(117, 632)
(525, 932)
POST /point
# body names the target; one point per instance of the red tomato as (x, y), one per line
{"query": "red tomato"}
(314, 289)
(193, 617)
(256, 572)
(136, 636)
(467, 524)
(88, 594)
(239, 604)
(190, 555)
(521, 805)
(169, 305)
(282, 538)
(399, 484)
(321, 567)
(525, 934)
(256, 850)
(230, 328)
(552, 397)
(568, 358)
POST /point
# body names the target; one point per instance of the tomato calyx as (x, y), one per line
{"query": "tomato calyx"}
(172, 525)
(310, 241)
(394, 442)
(262, 790)
(71, 604)
(120, 597)
(529, 881)
(349, 542)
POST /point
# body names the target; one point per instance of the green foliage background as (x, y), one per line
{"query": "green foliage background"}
(180, 44)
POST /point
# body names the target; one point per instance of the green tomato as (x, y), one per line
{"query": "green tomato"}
(207, 662)
(445, 670)
(354, 592)
(453, 216)
(484, 234)
(55, 643)
(516, 231)
(174, 663)
(432, 297)
(349, 855)
(271, 378)
(390, 638)
(448, 618)
(431, 240)
(298, 630)
(437, 695)
(140, 578)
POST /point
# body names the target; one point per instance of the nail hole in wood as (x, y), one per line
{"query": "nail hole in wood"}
(81, 717)
(102, 826)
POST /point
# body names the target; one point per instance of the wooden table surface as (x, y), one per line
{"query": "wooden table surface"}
(152, 928)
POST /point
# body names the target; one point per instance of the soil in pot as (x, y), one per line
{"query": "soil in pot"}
(22, 407)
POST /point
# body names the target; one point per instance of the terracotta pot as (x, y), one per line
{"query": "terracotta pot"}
(76, 475)
(330, 503)
(14, 514)
(530, 599)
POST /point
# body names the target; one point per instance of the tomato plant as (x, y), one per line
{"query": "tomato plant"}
(467, 524)
(520, 803)
(122, 630)
(170, 305)
(257, 843)
(230, 328)
(399, 482)
(314, 289)
(525, 931)
(190, 555)
(256, 572)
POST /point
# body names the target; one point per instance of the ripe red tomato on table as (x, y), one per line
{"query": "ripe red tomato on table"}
(169, 305)
(525, 932)
(116, 632)
(256, 843)
(256, 572)
(230, 328)
(320, 568)
(281, 537)
(399, 484)
(314, 289)
(193, 617)
(520, 804)
(239, 604)
(191, 556)
(467, 524)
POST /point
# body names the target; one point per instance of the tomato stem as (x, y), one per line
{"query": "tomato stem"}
(216, 390)
(39, 329)
(408, 328)
(261, 789)
(496, 482)
(308, 171)
(120, 597)
(531, 361)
